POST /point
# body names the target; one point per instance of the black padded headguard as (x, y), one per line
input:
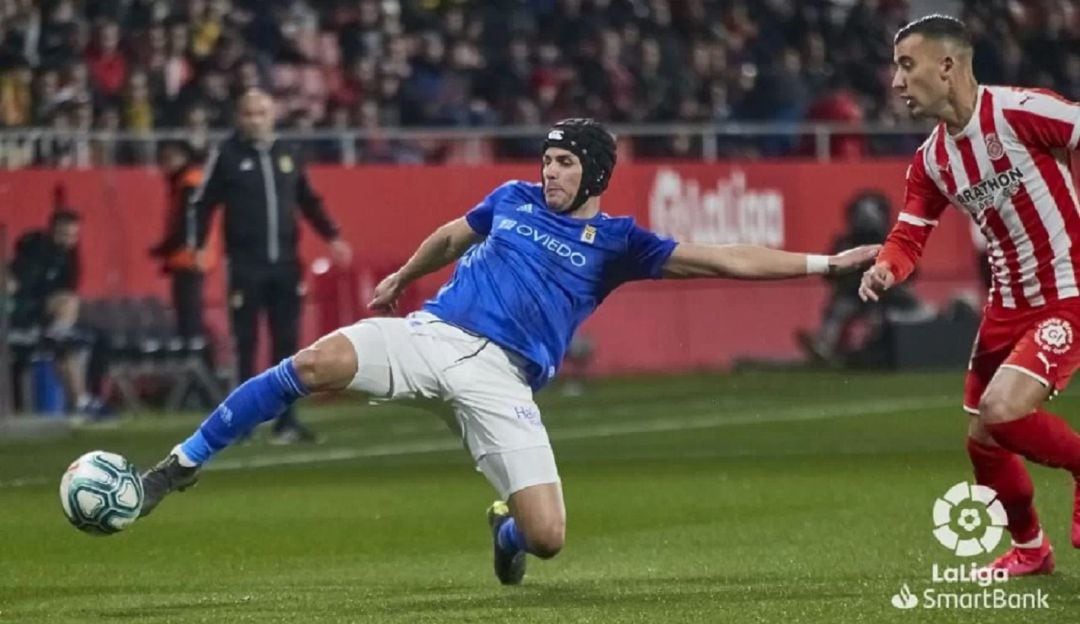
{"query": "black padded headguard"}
(594, 145)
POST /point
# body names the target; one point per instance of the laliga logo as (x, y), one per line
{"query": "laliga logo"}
(969, 519)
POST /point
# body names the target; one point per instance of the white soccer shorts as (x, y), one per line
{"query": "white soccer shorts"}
(423, 357)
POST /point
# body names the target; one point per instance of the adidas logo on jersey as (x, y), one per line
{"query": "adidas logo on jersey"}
(525, 208)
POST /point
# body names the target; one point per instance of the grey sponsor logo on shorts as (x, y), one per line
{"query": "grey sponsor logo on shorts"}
(530, 414)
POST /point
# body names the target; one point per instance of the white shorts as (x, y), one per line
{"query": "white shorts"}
(423, 357)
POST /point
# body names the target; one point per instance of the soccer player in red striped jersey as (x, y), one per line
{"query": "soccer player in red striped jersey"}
(1002, 155)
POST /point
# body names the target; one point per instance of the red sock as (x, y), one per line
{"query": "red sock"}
(1041, 437)
(1005, 473)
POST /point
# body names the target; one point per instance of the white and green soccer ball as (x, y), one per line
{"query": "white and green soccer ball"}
(101, 493)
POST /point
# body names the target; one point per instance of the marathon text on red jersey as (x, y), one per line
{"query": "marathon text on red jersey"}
(1009, 169)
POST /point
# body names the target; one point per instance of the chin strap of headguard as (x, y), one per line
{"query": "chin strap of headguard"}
(591, 142)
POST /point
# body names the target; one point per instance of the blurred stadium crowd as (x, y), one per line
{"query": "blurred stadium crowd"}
(138, 65)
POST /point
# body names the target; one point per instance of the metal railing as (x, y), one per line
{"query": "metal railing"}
(708, 142)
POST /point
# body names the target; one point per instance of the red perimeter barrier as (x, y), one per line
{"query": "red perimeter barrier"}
(386, 211)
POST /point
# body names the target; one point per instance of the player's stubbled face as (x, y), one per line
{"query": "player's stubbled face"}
(562, 177)
(256, 113)
(66, 235)
(919, 78)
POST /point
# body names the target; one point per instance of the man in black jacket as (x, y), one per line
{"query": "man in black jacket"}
(45, 274)
(263, 185)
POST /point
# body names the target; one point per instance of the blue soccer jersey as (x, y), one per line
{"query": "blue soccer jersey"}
(537, 274)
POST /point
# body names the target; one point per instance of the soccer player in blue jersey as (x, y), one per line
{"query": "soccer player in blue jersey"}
(535, 261)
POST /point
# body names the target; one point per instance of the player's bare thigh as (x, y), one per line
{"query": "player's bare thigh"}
(328, 364)
(541, 515)
(1011, 394)
(1041, 361)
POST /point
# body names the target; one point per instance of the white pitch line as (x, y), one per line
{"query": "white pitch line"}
(338, 454)
(798, 414)
(664, 425)
(846, 410)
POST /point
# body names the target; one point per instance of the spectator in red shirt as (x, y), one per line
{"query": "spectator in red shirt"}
(106, 62)
(839, 104)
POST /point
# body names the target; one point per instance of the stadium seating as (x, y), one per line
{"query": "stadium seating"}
(142, 347)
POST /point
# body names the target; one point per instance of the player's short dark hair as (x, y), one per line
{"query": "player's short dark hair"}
(63, 216)
(936, 26)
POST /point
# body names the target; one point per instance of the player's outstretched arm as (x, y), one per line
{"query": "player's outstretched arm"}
(750, 262)
(442, 247)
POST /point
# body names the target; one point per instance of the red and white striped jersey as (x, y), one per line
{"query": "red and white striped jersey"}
(1008, 169)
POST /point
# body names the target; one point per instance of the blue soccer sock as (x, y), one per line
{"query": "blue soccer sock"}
(509, 537)
(257, 400)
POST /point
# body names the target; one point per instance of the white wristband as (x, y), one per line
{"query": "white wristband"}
(817, 264)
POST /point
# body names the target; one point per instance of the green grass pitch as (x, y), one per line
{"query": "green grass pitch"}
(764, 497)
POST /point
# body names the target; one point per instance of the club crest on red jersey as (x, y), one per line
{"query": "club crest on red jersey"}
(1054, 335)
(994, 148)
